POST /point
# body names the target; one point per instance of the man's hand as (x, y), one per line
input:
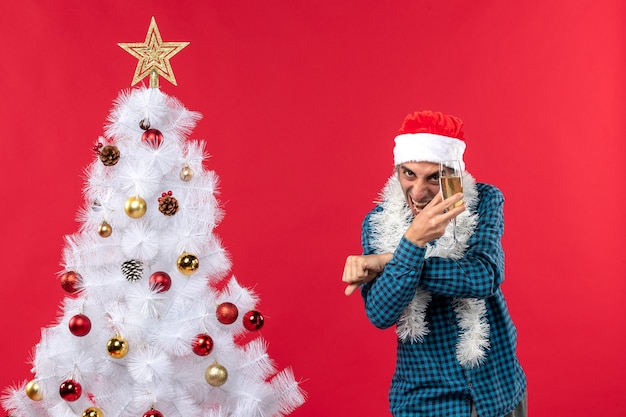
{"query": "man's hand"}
(363, 268)
(430, 223)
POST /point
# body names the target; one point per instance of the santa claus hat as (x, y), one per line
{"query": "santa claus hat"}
(428, 136)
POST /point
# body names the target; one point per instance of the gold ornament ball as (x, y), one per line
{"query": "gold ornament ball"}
(105, 229)
(187, 263)
(216, 375)
(186, 174)
(135, 207)
(33, 390)
(93, 412)
(117, 347)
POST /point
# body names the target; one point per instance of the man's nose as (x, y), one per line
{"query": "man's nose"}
(420, 191)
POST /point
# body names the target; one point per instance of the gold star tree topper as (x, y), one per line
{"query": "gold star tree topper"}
(154, 56)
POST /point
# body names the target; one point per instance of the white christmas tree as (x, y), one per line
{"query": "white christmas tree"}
(152, 326)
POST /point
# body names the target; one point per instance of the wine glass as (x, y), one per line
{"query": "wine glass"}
(450, 183)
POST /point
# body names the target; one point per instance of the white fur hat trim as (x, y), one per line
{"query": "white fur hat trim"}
(427, 147)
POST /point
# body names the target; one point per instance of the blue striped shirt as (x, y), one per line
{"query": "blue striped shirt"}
(428, 380)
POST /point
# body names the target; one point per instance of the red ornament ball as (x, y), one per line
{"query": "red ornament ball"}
(80, 325)
(227, 313)
(70, 390)
(202, 345)
(253, 320)
(160, 281)
(153, 413)
(70, 282)
(152, 137)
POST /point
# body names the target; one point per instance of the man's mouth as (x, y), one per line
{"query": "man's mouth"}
(417, 206)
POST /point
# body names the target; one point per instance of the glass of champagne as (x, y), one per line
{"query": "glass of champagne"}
(451, 182)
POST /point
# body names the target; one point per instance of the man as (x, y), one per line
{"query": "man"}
(456, 341)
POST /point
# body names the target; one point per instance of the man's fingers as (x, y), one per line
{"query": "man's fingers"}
(362, 268)
(447, 205)
(348, 270)
(353, 273)
(346, 273)
(354, 270)
(438, 198)
(448, 202)
(351, 288)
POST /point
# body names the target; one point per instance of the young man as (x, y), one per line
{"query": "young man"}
(456, 341)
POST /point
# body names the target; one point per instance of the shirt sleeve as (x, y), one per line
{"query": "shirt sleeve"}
(477, 275)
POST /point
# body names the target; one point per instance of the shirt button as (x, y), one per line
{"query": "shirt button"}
(470, 385)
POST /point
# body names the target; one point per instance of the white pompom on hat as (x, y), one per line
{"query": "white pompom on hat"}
(428, 136)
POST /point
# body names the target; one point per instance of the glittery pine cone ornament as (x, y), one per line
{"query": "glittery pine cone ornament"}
(132, 270)
(168, 205)
(109, 155)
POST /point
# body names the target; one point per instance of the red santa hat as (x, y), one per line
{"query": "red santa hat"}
(428, 136)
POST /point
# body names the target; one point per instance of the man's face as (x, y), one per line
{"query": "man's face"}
(420, 183)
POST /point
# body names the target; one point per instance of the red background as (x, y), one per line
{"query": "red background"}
(301, 101)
